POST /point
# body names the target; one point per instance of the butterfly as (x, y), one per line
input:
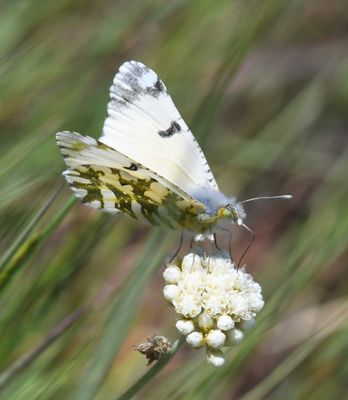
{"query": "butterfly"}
(147, 163)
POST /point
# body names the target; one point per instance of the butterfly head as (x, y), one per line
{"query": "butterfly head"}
(233, 212)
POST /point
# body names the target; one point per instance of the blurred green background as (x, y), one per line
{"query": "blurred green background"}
(264, 87)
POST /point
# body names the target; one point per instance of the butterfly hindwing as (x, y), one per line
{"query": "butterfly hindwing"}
(144, 124)
(103, 178)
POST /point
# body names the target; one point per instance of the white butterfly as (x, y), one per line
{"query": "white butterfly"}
(147, 163)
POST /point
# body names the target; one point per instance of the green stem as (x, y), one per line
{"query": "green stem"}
(27, 230)
(21, 255)
(25, 361)
(151, 373)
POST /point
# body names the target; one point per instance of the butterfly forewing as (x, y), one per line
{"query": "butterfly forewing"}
(103, 178)
(144, 124)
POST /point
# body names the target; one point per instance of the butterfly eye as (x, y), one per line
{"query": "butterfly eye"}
(233, 212)
(224, 212)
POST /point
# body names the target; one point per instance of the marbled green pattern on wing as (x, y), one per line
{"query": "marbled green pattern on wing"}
(103, 178)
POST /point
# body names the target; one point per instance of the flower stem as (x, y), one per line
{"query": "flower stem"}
(141, 382)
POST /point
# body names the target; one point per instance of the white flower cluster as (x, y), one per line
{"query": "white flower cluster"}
(215, 301)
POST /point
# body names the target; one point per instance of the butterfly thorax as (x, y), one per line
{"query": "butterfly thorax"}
(219, 212)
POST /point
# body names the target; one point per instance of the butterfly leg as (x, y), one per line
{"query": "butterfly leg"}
(248, 247)
(229, 243)
(193, 248)
(212, 240)
(215, 242)
(210, 253)
(179, 247)
(230, 246)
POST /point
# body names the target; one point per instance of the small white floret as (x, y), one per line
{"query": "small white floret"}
(80, 192)
(225, 322)
(195, 339)
(95, 204)
(205, 321)
(188, 306)
(184, 326)
(201, 237)
(170, 292)
(191, 262)
(247, 325)
(215, 358)
(239, 305)
(172, 274)
(235, 336)
(258, 304)
(215, 338)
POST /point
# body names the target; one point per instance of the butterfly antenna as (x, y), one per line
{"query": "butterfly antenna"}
(283, 196)
(249, 245)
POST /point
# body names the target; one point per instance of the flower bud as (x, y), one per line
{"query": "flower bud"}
(215, 357)
(258, 304)
(205, 321)
(225, 322)
(248, 324)
(170, 292)
(215, 338)
(235, 336)
(184, 326)
(171, 274)
(191, 263)
(195, 339)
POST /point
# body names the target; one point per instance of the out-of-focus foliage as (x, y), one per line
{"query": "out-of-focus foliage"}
(264, 87)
